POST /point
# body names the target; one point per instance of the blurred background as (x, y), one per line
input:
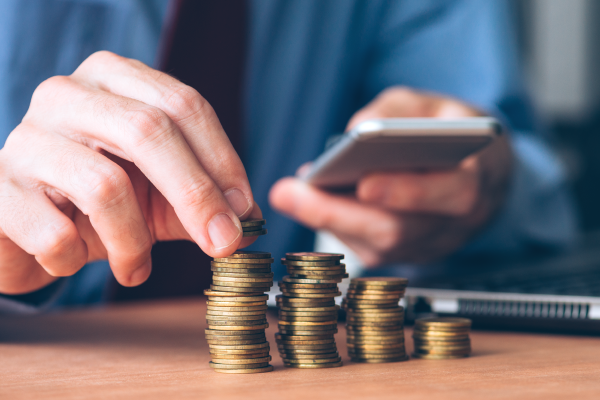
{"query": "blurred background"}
(560, 44)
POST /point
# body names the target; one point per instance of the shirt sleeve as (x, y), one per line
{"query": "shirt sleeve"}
(467, 49)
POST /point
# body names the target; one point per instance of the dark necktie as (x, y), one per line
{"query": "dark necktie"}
(203, 46)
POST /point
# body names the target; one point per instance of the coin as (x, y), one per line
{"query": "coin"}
(238, 260)
(235, 313)
(254, 222)
(313, 256)
(242, 347)
(244, 275)
(311, 263)
(291, 337)
(305, 342)
(241, 361)
(248, 254)
(304, 365)
(380, 281)
(251, 290)
(236, 280)
(237, 308)
(443, 323)
(241, 266)
(309, 313)
(238, 328)
(305, 333)
(245, 371)
(231, 297)
(235, 367)
(254, 233)
(252, 228)
(289, 279)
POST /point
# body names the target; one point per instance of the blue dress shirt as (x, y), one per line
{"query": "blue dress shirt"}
(311, 65)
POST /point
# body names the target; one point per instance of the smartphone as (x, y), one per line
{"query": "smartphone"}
(400, 144)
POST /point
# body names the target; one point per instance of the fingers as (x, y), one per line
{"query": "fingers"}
(100, 189)
(146, 136)
(453, 193)
(193, 115)
(33, 223)
(340, 215)
(402, 102)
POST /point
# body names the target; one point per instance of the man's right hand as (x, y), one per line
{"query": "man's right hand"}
(106, 162)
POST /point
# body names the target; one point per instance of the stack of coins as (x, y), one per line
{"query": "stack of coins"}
(236, 313)
(375, 321)
(254, 227)
(307, 311)
(442, 338)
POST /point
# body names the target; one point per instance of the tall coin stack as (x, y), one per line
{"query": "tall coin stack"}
(442, 338)
(375, 321)
(237, 307)
(307, 311)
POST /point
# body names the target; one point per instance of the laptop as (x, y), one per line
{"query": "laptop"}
(553, 293)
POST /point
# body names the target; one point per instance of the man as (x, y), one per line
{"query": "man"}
(115, 156)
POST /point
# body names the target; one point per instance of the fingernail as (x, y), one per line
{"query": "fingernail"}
(372, 191)
(237, 201)
(140, 275)
(222, 231)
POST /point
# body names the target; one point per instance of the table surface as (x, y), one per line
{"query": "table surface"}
(157, 350)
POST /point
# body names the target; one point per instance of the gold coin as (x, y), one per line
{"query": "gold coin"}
(254, 233)
(289, 352)
(233, 366)
(376, 311)
(311, 263)
(259, 338)
(233, 342)
(438, 356)
(252, 228)
(325, 356)
(237, 309)
(237, 260)
(313, 256)
(380, 281)
(361, 329)
(382, 355)
(245, 371)
(254, 222)
(242, 282)
(326, 323)
(241, 347)
(308, 286)
(303, 301)
(236, 313)
(443, 323)
(232, 304)
(238, 328)
(368, 347)
(242, 361)
(313, 295)
(308, 314)
(440, 334)
(219, 332)
(289, 279)
(221, 356)
(240, 272)
(304, 342)
(374, 293)
(331, 309)
(248, 254)
(250, 290)
(312, 361)
(332, 365)
(308, 291)
(308, 319)
(373, 318)
(218, 353)
(236, 323)
(291, 337)
(261, 317)
(266, 275)
(325, 273)
(295, 332)
(232, 297)
(368, 307)
(241, 266)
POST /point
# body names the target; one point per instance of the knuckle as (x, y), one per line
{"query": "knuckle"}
(199, 194)
(55, 243)
(49, 88)
(102, 57)
(106, 186)
(147, 126)
(185, 102)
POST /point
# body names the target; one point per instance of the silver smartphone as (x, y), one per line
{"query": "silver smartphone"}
(400, 144)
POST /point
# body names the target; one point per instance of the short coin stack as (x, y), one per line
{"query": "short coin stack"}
(307, 311)
(236, 313)
(442, 338)
(375, 321)
(254, 227)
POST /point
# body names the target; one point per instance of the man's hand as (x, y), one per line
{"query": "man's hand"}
(406, 216)
(106, 162)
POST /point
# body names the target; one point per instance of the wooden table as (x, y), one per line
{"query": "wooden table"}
(157, 351)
